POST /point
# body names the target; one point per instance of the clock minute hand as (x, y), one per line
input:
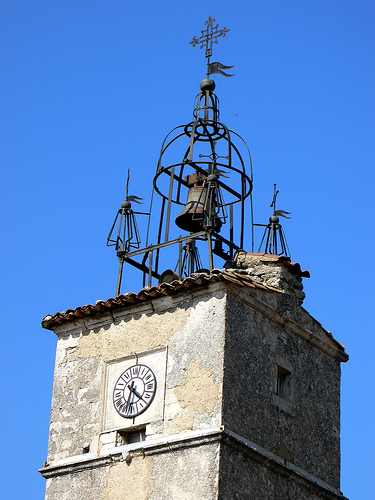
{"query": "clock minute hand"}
(134, 391)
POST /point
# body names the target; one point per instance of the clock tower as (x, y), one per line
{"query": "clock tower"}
(212, 381)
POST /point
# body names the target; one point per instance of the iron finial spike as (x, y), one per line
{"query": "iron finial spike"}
(127, 184)
(275, 193)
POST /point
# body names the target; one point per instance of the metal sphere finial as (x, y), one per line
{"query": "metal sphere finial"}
(126, 204)
(207, 84)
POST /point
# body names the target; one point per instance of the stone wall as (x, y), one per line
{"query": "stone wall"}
(243, 478)
(304, 426)
(217, 352)
(183, 474)
(191, 329)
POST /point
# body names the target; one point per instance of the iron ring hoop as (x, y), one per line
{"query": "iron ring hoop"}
(242, 175)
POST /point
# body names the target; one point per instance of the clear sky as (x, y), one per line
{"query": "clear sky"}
(91, 88)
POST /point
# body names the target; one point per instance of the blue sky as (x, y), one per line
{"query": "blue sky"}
(91, 88)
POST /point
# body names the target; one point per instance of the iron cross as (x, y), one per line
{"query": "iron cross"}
(209, 36)
(273, 204)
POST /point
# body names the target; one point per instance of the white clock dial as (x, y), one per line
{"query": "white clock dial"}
(134, 391)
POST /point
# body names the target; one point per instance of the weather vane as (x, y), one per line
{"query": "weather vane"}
(274, 234)
(210, 36)
(280, 213)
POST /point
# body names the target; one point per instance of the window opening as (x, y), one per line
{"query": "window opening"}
(132, 436)
(283, 383)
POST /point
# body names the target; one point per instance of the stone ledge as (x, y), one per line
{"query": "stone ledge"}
(107, 456)
(78, 465)
(192, 439)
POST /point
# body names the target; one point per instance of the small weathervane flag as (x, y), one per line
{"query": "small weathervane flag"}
(217, 67)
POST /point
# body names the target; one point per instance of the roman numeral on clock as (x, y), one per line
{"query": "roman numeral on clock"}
(119, 402)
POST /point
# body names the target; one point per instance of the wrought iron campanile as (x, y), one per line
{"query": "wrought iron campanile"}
(201, 193)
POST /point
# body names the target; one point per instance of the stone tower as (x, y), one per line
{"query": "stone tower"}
(247, 401)
(212, 383)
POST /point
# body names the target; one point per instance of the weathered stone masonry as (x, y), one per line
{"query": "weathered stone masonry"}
(217, 427)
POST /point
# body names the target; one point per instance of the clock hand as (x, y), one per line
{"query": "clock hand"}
(127, 406)
(131, 386)
(134, 391)
(129, 402)
(137, 393)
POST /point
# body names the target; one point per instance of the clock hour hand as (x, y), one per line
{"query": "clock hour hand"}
(128, 402)
(131, 386)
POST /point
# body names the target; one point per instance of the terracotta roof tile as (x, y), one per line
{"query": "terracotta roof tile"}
(149, 293)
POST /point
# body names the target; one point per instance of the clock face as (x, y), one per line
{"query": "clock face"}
(134, 391)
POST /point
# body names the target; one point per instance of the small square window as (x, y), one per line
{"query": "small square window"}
(130, 436)
(136, 436)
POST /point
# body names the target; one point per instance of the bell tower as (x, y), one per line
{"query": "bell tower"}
(212, 381)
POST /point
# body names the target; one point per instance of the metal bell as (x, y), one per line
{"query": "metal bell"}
(192, 216)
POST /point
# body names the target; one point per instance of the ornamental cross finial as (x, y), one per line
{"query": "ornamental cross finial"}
(210, 36)
(273, 204)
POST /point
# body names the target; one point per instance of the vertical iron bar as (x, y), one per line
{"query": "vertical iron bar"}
(206, 104)
(149, 217)
(181, 173)
(242, 212)
(231, 230)
(283, 249)
(169, 204)
(252, 222)
(275, 241)
(192, 254)
(268, 242)
(161, 220)
(159, 235)
(150, 268)
(192, 141)
(119, 230)
(127, 222)
(119, 278)
(179, 259)
(210, 257)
